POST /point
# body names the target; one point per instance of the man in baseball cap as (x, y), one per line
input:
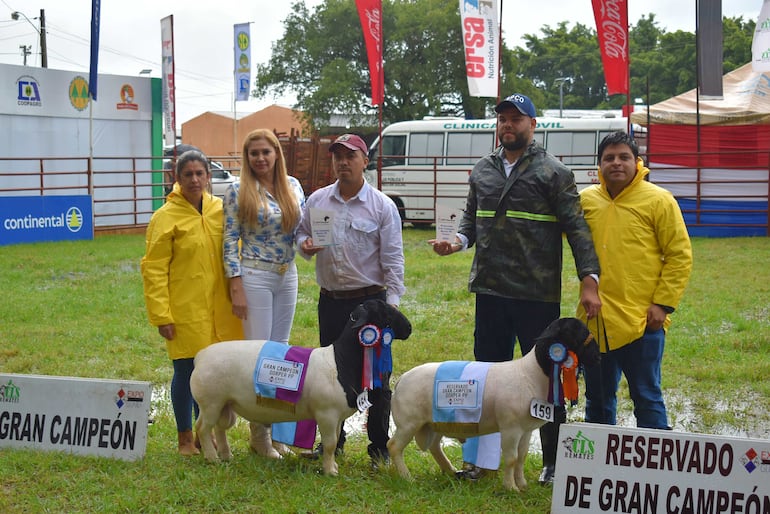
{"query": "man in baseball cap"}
(350, 141)
(520, 102)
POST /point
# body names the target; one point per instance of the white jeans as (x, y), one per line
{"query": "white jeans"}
(271, 299)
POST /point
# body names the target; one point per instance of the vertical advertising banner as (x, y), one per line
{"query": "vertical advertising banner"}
(242, 67)
(481, 39)
(167, 65)
(93, 73)
(612, 30)
(709, 26)
(370, 13)
(760, 47)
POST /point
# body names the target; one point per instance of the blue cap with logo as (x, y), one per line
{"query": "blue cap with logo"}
(520, 102)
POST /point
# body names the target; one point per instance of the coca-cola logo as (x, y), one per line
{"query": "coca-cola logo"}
(613, 34)
(373, 18)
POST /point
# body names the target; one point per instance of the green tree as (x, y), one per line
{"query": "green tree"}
(561, 53)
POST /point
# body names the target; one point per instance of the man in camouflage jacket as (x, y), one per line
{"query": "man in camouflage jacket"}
(521, 200)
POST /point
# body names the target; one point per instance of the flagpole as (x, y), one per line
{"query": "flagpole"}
(628, 77)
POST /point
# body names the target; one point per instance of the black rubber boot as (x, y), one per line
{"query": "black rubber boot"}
(549, 439)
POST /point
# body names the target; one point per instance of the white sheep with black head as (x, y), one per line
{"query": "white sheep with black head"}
(505, 406)
(223, 385)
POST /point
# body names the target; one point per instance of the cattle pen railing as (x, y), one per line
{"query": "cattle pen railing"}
(126, 191)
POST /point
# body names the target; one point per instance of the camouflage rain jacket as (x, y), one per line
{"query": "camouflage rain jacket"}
(517, 223)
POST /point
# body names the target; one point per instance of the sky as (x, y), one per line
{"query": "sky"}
(203, 37)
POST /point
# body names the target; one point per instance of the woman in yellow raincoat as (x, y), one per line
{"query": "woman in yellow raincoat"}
(184, 285)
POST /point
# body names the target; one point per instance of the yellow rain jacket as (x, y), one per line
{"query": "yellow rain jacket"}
(644, 254)
(183, 275)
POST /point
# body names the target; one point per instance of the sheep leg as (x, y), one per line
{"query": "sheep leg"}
(512, 463)
(203, 429)
(226, 420)
(518, 473)
(260, 441)
(329, 435)
(439, 456)
(396, 445)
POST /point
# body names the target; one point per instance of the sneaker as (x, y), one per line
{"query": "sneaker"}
(318, 452)
(380, 457)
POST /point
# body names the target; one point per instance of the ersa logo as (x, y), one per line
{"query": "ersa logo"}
(29, 91)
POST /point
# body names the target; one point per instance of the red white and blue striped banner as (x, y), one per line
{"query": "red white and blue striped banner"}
(481, 39)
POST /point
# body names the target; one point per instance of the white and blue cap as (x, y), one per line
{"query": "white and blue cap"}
(520, 102)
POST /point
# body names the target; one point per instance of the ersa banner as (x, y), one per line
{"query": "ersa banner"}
(30, 219)
(481, 42)
(83, 416)
(602, 468)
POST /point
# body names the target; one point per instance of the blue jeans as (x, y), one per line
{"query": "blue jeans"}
(640, 362)
(181, 397)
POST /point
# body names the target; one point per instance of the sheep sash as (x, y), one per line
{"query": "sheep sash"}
(457, 394)
(279, 363)
(280, 375)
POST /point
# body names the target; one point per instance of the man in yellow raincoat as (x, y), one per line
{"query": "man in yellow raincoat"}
(184, 285)
(646, 258)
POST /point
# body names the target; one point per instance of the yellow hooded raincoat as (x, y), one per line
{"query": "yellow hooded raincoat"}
(183, 275)
(644, 253)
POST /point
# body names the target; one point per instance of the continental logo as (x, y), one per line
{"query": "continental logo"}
(78, 93)
(72, 220)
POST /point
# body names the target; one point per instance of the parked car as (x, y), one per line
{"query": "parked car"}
(220, 179)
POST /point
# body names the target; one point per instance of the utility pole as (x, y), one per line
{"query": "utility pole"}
(25, 51)
(43, 44)
(41, 32)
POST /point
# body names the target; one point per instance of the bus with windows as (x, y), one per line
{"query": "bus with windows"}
(427, 162)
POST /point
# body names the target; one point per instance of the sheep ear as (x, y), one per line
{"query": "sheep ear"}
(401, 326)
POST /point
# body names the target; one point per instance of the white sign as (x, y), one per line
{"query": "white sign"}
(321, 225)
(457, 394)
(83, 416)
(279, 373)
(481, 33)
(602, 468)
(447, 221)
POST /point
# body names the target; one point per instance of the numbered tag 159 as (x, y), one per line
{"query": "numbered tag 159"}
(541, 410)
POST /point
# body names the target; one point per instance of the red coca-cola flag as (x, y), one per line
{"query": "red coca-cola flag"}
(612, 30)
(370, 13)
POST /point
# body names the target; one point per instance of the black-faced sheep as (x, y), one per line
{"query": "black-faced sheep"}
(505, 407)
(223, 384)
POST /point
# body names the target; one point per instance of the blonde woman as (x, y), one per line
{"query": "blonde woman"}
(262, 213)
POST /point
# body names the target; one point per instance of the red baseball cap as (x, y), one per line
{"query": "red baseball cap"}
(351, 141)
